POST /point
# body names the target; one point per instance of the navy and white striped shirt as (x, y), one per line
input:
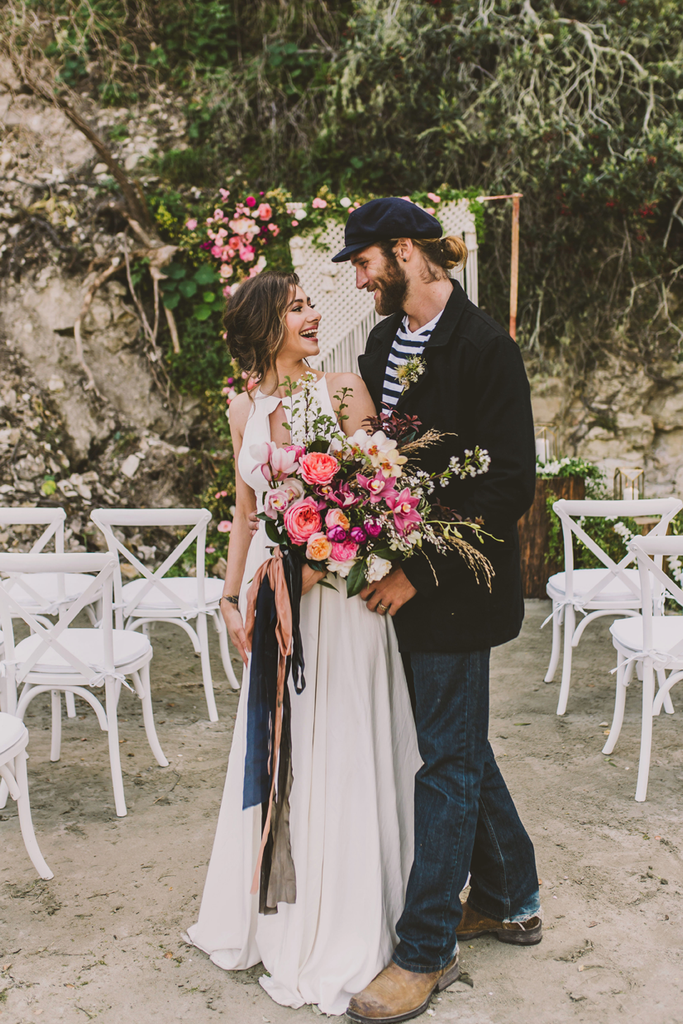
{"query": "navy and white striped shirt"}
(406, 344)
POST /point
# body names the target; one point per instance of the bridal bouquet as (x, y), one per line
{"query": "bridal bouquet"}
(353, 505)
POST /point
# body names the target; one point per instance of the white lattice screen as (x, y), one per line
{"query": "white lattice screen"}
(349, 314)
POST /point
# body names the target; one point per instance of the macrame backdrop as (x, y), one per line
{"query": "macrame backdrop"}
(349, 314)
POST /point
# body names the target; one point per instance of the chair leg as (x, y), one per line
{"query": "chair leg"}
(206, 666)
(569, 623)
(112, 690)
(667, 703)
(623, 679)
(25, 821)
(144, 692)
(646, 732)
(222, 631)
(70, 704)
(56, 744)
(557, 643)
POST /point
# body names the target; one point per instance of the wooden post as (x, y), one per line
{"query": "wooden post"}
(534, 527)
(514, 265)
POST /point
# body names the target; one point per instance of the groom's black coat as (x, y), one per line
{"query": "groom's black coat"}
(475, 387)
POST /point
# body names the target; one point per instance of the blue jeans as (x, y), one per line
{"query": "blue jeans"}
(465, 820)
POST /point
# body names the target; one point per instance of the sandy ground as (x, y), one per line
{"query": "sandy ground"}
(102, 940)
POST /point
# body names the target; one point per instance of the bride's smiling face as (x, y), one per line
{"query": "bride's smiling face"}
(301, 327)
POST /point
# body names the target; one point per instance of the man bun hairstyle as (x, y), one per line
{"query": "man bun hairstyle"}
(447, 253)
(440, 254)
(254, 321)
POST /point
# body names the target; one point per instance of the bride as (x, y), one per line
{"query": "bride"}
(354, 749)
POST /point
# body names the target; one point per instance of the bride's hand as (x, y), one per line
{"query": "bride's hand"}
(309, 578)
(233, 620)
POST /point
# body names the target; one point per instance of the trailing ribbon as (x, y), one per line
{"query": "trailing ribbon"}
(272, 628)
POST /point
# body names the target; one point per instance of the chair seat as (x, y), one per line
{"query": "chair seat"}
(11, 731)
(586, 579)
(183, 588)
(88, 646)
(46, 584)
(667, 633)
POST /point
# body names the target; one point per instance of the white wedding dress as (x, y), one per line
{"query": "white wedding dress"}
(354, 758)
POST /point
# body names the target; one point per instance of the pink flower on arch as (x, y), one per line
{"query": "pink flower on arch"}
(265, 211)
(225, 526)
(433, 196)
(191, 224)
(318, 203)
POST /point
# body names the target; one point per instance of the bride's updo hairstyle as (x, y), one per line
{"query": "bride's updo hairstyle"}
(439, 254)
(254, 321)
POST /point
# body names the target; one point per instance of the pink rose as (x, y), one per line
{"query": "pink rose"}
(343, 551)
(318, 468)
(433, 196)
(225, 526)
(302, 520)
(318, 203)
(275, 229)
(191, 224)
(264, 211)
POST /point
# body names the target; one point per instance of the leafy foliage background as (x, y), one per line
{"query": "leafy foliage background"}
(576, 103)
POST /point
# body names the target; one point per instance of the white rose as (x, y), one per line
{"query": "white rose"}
(345, 202)
(377, 568)
(341, 568)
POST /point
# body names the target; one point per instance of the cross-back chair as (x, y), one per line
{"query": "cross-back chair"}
(13, 757)
(651, 640)
(158, 597)
(612, 590)
(60, 658)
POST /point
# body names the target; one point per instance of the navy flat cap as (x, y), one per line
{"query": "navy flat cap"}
(382, 219)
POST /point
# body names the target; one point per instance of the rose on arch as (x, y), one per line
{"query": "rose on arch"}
(302, 520)
(265, 211)
(318, 468)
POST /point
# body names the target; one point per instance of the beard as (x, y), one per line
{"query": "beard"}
(392, 286)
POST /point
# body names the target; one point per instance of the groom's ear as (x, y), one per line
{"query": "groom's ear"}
(404, 249)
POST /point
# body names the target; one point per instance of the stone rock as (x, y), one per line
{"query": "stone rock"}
(130, 466)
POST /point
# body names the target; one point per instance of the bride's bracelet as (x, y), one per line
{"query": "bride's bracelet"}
(230, 598)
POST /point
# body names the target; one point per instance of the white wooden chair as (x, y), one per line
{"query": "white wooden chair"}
(614, 590)
(58, 658)
(157, 597)
(13, 757)
(46, 594)
(652, 641)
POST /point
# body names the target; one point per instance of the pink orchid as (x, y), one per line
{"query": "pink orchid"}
(379, 486)
(404, 507)
(261, 454)
(283, 463)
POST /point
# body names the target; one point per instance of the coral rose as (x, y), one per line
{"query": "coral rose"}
(318, 468)
(335, 517)
(318, 547)
(302, 520)
(342, 552)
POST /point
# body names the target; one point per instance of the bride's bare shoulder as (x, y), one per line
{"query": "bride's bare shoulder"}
(239, 411)
(337, 381)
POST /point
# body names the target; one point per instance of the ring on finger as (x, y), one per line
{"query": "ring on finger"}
(382, 608)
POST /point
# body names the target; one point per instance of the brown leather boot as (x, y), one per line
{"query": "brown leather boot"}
(517, 933)
(396, 994)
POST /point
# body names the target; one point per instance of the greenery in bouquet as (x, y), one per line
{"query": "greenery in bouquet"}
(352, 506)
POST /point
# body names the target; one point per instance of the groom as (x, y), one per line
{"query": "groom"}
(467, 380)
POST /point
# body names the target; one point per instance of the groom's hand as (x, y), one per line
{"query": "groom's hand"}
(390, 593)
